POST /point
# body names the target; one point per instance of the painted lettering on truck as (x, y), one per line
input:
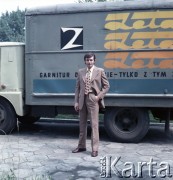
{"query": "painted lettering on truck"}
(140, 30)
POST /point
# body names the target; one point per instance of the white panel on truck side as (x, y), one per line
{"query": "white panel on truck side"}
(12, 74)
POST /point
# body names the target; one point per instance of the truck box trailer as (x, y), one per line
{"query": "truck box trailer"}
(133, 42)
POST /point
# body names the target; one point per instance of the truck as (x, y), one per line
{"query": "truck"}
(133, 42)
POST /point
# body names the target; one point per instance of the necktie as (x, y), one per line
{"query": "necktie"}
(87, 82)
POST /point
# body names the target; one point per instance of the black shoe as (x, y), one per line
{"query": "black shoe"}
(77, 150)
(94, 153)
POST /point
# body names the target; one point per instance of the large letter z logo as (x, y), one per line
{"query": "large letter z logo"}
(71, 38)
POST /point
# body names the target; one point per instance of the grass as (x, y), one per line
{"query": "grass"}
(11, 176)
(8, 175)
(67, 116)
(73, 116)
(101, 117)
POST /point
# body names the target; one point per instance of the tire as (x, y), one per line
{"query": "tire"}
(8, 120)
(126, 124)
(28, 119)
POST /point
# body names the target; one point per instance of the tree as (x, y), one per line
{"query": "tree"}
(12, 26)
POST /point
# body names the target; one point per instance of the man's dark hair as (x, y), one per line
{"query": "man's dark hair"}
(89, 55)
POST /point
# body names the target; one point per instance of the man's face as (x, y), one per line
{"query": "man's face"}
(89, 62)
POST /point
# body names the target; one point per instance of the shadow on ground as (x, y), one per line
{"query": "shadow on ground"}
(70, 130)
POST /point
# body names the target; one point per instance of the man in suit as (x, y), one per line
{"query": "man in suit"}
(91, 87)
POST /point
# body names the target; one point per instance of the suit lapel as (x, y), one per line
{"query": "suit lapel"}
(94, 73)
(84, 74)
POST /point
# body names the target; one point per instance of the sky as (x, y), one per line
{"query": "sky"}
(12, 5)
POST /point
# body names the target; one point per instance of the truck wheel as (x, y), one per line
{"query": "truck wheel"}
(126, 124)
(8, 119)
(28, 119)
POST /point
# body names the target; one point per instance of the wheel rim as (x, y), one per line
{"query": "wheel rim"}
(126, 120)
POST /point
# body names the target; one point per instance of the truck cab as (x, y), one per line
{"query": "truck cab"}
(11, 84)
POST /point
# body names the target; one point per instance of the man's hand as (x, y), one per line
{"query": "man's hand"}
(97, 98)
(76, 107)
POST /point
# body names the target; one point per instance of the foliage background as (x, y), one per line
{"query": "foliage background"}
(12, 26)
